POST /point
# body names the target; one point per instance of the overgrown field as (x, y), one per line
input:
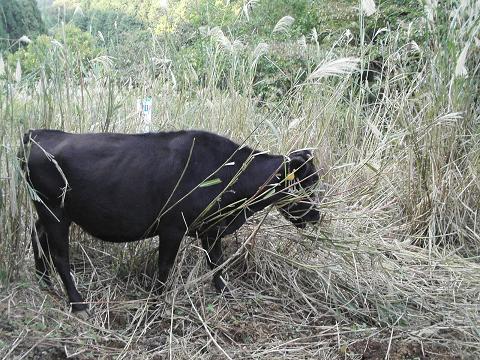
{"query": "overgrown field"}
(392, 271)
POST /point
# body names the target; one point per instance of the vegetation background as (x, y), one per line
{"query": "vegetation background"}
(386, 92)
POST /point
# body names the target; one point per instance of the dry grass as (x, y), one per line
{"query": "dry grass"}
(325, 299)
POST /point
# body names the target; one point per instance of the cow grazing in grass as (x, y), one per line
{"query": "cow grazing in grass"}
(122, 188)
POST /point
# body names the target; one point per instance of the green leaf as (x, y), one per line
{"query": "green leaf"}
(269, 193)
(210, 182)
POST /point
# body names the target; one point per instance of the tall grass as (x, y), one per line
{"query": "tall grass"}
(396, 258)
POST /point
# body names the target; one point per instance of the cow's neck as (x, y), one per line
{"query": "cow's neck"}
(262, 175)
(249, 191)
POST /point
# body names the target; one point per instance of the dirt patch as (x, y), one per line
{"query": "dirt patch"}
(372, 349)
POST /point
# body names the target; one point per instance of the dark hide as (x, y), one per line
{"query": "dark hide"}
(122, 188)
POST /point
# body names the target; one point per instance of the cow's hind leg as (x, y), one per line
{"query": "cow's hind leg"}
(57, 242)
(214, 259)
(41, 253)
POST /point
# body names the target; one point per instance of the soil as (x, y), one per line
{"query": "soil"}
(377, 350)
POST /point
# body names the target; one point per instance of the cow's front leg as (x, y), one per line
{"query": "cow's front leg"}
(168, 245)
(213, 246)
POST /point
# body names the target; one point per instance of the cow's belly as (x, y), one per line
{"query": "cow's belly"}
(118, 223)
(116, 231)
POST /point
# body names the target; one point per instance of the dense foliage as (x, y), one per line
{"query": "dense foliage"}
(19, 18)
(66, 40)
(187, 32)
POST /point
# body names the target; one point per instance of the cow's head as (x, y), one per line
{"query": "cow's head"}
(299, 206)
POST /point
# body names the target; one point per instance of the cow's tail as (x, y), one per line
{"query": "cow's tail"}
(24, 149)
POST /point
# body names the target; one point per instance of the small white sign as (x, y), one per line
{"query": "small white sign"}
(144, 107)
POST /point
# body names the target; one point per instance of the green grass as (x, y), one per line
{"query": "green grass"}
(393, 268)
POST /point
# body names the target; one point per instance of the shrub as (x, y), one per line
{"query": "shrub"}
(74, 44)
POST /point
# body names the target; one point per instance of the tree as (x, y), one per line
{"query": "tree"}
(68, 44)
(18, 18)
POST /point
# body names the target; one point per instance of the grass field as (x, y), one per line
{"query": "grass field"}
(393, 270)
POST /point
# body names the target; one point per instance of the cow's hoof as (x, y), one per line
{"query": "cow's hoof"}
(160, 287)
(44, 281)
(83, 315)
(226, 293)
(221, 287)
(45, 286)
(79, 307)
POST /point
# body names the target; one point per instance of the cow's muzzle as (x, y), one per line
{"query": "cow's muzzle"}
(301, 214)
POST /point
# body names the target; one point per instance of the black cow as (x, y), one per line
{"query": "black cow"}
(121, 188)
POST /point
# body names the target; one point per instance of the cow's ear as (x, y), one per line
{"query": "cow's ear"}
(299, 164)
